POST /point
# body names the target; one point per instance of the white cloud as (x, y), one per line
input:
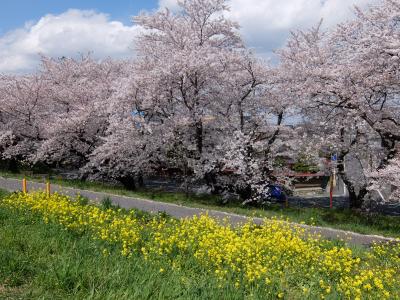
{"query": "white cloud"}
(265, 24)
(67, 34)
(171, 4)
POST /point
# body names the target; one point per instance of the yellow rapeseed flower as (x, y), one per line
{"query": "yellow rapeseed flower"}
(270, 255)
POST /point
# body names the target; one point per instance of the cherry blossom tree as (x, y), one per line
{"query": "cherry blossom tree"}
(194, 77)
(135, 143)
(21, 117)
(257, 110)
(347, 83)
(183, 59)
(76, 111)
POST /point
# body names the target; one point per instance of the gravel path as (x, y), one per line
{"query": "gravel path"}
(180, 211)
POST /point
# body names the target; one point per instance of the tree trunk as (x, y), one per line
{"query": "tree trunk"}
(128, 182)
(245, 193)
(13, 166)
(356, 200)
(199, 137)
(83, 176)
(241, 116)
(211, 181)
(185, 174)
(140, 180)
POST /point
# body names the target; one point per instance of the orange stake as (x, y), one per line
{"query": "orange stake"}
(24, 189)
(48, 191)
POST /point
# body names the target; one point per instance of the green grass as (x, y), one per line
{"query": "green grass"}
(44, 261)
(3, 193)
(336, 218)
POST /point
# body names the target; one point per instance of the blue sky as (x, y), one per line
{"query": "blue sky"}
(15, 13)
(59, 28)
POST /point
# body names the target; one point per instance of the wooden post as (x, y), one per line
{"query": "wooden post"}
(48, 191)
(24, 189)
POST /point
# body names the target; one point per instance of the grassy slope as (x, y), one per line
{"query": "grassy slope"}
(336, 218)
(44, 261)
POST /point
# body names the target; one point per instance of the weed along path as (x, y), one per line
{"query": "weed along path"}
(179, 211)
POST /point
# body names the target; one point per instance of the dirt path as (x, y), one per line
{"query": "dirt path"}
(180, 211)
